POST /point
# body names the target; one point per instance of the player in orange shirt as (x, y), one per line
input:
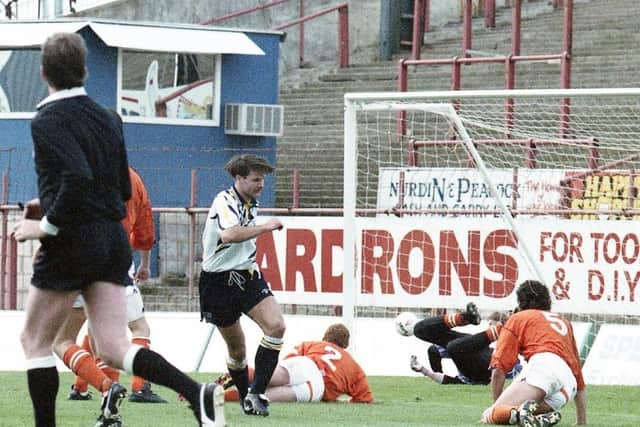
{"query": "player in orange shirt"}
(553, 375)
(140, 229)
(317, 370)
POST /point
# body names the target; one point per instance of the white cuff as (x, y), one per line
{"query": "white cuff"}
(47, 227)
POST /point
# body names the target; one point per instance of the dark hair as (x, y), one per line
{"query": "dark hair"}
(243, 165)
(337, 334)
(63, 60)
(532, 294)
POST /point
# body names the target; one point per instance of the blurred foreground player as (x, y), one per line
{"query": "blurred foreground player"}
(83, 181)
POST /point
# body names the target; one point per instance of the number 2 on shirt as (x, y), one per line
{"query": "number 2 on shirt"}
(331, 355)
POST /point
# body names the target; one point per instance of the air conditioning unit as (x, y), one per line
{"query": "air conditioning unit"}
(253, 119)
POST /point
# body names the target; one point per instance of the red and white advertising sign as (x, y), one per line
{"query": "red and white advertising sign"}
(589, 266)
(465, 188)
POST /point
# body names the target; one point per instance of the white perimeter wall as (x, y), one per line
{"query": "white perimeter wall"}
(179, 337)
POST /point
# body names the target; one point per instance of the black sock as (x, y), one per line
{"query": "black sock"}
(266, 362)
(43, 388)
(240, 380)
(153, 367)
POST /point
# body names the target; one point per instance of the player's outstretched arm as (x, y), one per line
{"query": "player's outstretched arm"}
(581, 407)
(498, 378)
(143, 272)
(238, 233)
(438, 377)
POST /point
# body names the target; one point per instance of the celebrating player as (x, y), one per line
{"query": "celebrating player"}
(231, 283)
(552, 376)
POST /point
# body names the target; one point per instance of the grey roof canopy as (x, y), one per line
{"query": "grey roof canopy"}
(135, 36)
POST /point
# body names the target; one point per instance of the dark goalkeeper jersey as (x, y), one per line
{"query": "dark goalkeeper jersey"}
(80, 160)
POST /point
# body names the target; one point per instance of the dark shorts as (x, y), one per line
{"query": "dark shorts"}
(79, 256)
(225, 296)
(475, 365)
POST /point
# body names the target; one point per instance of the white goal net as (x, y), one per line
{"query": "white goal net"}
(453, 197)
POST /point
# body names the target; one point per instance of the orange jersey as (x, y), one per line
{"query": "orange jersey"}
(535, 331)
(340, 371)
(139, 220)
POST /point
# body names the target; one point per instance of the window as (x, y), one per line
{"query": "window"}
(157, 87)
(21, 88)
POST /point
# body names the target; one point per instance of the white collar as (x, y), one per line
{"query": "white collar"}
(62, 94)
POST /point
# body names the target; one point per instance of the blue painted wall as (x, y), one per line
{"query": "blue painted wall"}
(165, 155)
(152, 148)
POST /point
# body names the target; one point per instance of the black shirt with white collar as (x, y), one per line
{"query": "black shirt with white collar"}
(80, 159)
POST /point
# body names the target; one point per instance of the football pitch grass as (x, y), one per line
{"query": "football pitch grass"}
(399, 401)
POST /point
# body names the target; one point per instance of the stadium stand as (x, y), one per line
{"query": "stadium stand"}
(604, 33)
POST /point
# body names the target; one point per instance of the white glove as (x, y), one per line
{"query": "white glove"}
(415, 364)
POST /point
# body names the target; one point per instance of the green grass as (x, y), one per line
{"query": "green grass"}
(400, 401)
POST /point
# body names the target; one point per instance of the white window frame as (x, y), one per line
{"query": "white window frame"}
(17, 115)
(216, 105)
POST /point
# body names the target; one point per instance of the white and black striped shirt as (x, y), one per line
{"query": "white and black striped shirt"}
(229, 209)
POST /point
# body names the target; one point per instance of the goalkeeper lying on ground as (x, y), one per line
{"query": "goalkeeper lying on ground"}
(471, 354)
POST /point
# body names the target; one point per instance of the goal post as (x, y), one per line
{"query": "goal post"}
(459, 196)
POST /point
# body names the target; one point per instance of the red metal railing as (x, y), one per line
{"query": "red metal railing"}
(509, 60)
(343, 29)
(343, 25)
(243, 12)
(422, 16)
(531, 146)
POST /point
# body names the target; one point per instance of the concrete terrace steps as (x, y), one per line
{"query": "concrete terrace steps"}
(604, 55)
(388, 74)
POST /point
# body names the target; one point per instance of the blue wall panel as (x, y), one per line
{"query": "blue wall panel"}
(165, 155)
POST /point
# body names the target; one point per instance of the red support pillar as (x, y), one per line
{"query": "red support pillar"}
(455, 80)
(467, 27)
(295, 203)
(401, 126)
(412, 153)
(565, 70)
(510, 70)
(515, 27)
(13, 273)
(343, 36)
(532, 152)
(301, 34)
(418, 28)
(490, 13)
(455, 74)
(427, 15)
